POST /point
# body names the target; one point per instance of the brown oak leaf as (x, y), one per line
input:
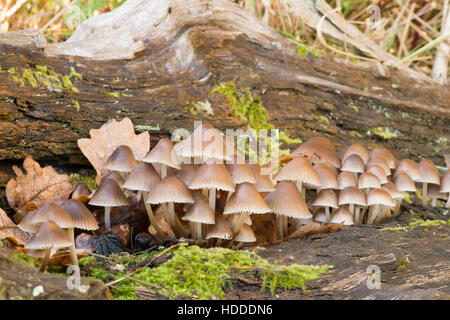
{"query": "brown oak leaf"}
(10, 231)
(107, 138)
(37, 186)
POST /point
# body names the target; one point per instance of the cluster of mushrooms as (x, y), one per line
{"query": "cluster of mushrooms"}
(209, 192)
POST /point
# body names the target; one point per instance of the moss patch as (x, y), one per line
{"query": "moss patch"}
(419, 223)
(75, 178)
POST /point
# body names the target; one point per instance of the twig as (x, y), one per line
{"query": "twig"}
(57, 16)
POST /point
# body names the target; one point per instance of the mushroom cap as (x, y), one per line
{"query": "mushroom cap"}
(378, 172)
(49, 211)
(241, 173)
(246, 234)
(187, 173)
(320, 216)
(144, 177)
(299, 169)
(49, 235)
(357, 149)
(346, 179)
(428, 172)
(200, 212)
(233, 219)
(327, 176)
(343, 216)
(212, 175)
(408, 167)
(170, 189)
(383, 153)
(81, 216)
(221, 230)
(368, 180)
(445, 182)
(246, 199)
(434, 192)
(404, 183)
(353, 163)
(392, 190)
(319, 149)
(121, 160)
(381, 163)
(286, 200)
(80, 191)
(352, 195)
(379, 197)
(325, 198)
(263, 183)
(114, 176)
(108, 194)
(163, 153)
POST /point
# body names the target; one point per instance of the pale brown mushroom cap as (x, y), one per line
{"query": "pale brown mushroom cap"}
(320, 216)
(352, 195)
(408, 167)
(263, 183)
(108, 194)
(357, 149)
(80, 191)
(434, 192)
(233, 220)
(163, 153)
(428, 172)
(49, 235)
(212, 175)
(200, 212)
(170, 189)
(121, 160)
(379, 197)
(325, 198)
(49, 211)
(319, 149)
(353, 163)
(346, 179)
(383, 153)
(144, 177)
(246, 234)
(221, 230)
(81, 216)
(368, 180)
(328, 178)
(286, 200)
(27, 224)
(299, 169)
(246, 199)
(114, 176)
(379, 173)
(187, 173)
(404, 183)
(343, 216)
(392, 190)
(445, 182)
(241, 173)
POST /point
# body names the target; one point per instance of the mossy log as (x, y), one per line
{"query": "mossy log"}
(148, 60)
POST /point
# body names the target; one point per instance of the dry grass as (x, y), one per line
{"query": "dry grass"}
(404, 25)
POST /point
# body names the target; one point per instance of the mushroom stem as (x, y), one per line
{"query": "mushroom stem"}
(327, 214)
(237, 228)
(218, 242)
(151, 217)
(433, 202)
(239, 245)
(199, 233)
(398, 204)
(424, 193)
(301, 188)
(163, 171)
(212, 199)
(351, 208)
(285, 225)
(46, 259)
(174, 221)
(373, 212)
(73, 252)
(356, 215)
(139, 195)
(107, 218)
(280, 226)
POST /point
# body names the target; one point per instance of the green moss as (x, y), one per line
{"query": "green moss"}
(200, 107)
(419, 223)
(74, 75)
(321, 118)
(28, 75)
(140, 128)
(403, 264)
(76, 104)
(24, 259)
(75, 178)
(385, 132)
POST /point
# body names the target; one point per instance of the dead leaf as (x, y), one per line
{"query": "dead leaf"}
(107, 138)
(85, 242)
(160, 219)
(123, 230)
(315, 228)
(37, 186)
(63, 258)
(10, 231)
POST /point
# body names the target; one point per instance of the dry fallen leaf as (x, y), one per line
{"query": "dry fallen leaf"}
(162, 222)
(314, 228)
(37, 186)
(107, 138)
(63, 258)
(9, 230)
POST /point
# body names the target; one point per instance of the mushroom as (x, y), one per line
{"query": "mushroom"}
(328, 177)
(380, 162)
(168, 191)
(368, 181)
(321, 217)
(376, 199)
(352, 196)
(354, 164)
(81, 192)
(318, 150)
(403, 183)
(47, 237)
(245, 201)
(434, 193)
(200, 213)
(246, 235)
(396, 195)
(383, 153)
(187, 173)
(164, 155)
(408, 167)
(346, 179)
(445, 186)
(326, 198)
(300, 171)
(240, 173)
(108, 195)
(213, 176)
(342, 216)
(220, 231)
(121, 160)
(114, 176)
(378, 172)
(429, 174)
(263, 182)
(357, 149)
(49, 211)
(286, 201)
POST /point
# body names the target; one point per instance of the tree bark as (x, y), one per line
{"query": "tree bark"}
(148, 60)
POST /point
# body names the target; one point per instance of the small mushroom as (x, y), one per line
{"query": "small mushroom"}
(352, 196)
(354, 164)
(376, 199)
(346, 179)
(383, 153)
(342, 216)
(81, 192)
(396, 195)
(164, 155)
(403, 183)
(357, 149)
(121, 160)
(318, 150)
(445, 186)
(326, 199)
(200, 213)
(220, 231)
(429, 174)
(246, 235)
